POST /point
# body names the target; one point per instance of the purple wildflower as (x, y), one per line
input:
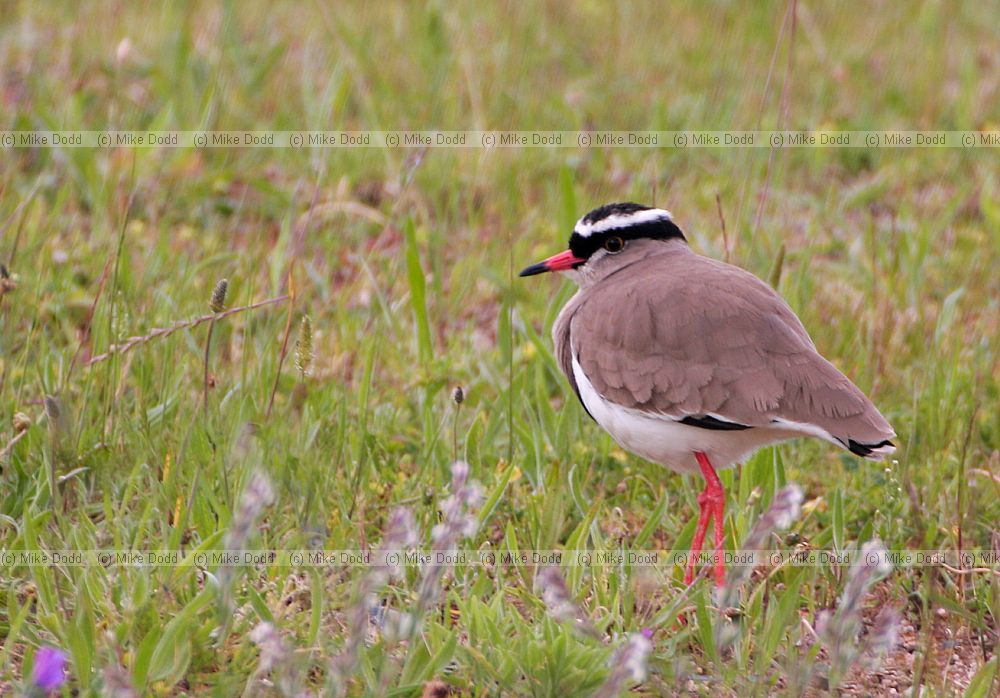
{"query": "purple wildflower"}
(785, 508)
(630, 665)
(118, 683)
(256, 497)
(276, 657)
(49, 671)
(401, 533)
(458, 522)
(883, 636)
(839, 630)
(559, 602)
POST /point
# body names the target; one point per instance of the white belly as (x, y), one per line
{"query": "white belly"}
(666, 441)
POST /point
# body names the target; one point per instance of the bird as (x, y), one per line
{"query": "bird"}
(693, 363)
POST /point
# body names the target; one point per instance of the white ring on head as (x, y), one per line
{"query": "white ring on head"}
(621, 220)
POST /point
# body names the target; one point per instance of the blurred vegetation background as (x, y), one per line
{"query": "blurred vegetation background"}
(405, 262)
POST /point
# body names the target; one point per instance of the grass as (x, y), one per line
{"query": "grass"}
(404, 263)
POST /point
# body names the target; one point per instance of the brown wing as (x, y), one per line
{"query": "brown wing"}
(684, 335)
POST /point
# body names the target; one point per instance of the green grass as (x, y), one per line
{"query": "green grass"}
(889, 256)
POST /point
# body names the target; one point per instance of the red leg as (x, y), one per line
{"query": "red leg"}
(720, 536)
(715, 498)
(704, 514)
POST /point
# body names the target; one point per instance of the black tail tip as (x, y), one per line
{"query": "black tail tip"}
(865, 450)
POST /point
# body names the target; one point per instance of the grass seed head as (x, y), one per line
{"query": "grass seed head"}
(218, 301)
(304, 347)
(53, 410)
(21, 422)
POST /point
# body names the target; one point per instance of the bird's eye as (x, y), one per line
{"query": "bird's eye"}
(614, 244)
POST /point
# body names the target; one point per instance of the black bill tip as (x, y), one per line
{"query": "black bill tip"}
(539, 268)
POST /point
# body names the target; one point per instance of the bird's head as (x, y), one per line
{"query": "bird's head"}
(604, 238)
